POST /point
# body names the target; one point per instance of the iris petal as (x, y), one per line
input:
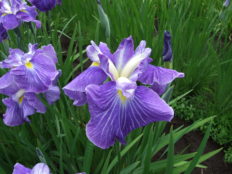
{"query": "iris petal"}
(76, 88)
(40, 168)
(112, 119)
(124, 52)
(154, 75)
(20, 169)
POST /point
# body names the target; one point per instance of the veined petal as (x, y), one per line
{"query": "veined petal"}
(34, 102)
(112, 119)
(21, 169)
(40, 168)
(158, 75)
(124, 52)
(14, 114)
(49, 51)
(76, 88)
(37, 76)
(8, 86)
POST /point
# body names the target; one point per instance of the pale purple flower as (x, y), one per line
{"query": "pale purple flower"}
(119, 106)
(35, 70)
(226, 3)
(45, 5)
(167, 50)
(20, 103)
(14, 12)
(30, 74)
(40, 168)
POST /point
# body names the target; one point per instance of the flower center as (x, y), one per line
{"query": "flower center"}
(21, 99)
(29, 65)
(95, 64)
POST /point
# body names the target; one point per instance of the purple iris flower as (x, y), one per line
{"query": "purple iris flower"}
(119, 106)
(45, 5)
(167, 51)
(30, 74)
(20, 103)
(39, 168)
(35, 70)
(13, 12)
(226, 3)
(3, 33)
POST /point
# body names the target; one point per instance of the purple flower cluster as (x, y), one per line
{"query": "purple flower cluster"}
(13, 13)
(119, 105)
(30, 74)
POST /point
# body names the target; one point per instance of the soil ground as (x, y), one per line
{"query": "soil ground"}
(216, 164)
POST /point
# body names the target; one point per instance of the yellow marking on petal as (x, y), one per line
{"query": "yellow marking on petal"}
(29, 65)
(95, 64)
(21, 99)
(122, 97)
(4, 14)
(23, 11)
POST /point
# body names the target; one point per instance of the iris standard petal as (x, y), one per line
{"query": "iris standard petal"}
(76, 88)
(21, 169)
(40, 168)
(93, 50)
(124, 52)
(49, 51)
(158, 75)
(10, 22)
(108, 67)
(113, 116)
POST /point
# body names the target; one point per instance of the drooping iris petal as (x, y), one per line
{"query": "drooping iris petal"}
(52, 94)
(154, 75)
(10, 22)
(124, 52)
(3, 33)
(8, 86)
(113, 116)
(36, 75)
(21, 169)
(40, 168)
(93, 51)
(76, 88)
(167, 50)
(29, 15)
